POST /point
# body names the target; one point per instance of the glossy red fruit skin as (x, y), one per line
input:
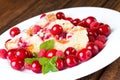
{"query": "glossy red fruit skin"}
(104, 30)
(14, 31)
(36, 67)
(17, 64)
(36, 28)
(60, 64)
(76, 21)
(21, 53)
(94, 25)
(70, 51)
(93, 48)
(100, 44)
(60, 15)
(89, 20)
(69, 19)
(84, 55)
(71, 61)
(11, 54)
(91, 38)
(101, 38)
(92, 33)
(42, 53)
(3, 53)
(50, 53)
(27, 66)
(56, 29)
(61, 36)
(82, 23)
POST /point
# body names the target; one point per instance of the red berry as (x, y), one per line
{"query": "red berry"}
(91, 38)
(69, 19)
(89, 20)
(71, 61)
(92, 33)
(100, 44)
(51, 53)
(94, 25)
(102, 38)
(35, 29)
(93, 47)
(104, 30)
(70, 51)
(11, 54)
(56, 29)
(14, 31)
(42, 53)
(76, 21)
(36, 67)
(42, 15)
(21, 53)
(3, 53)
(17, 64)
(60, 15)
(61, 36)
(84, 54)
(60, 53)
(82, 23)
(28, 66)
(60, 64)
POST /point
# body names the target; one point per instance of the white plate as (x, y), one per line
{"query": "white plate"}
(110, 53)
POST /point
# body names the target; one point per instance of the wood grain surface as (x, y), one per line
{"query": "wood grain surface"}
(13, 12)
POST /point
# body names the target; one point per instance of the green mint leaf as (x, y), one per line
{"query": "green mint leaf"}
(54, 69)
(52, 63)
(48, 64)
(47, 45)
(53, 60)
(46, 68)
(43, 60)
(30, 60)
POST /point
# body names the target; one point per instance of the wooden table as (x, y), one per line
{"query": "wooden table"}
(15, 11)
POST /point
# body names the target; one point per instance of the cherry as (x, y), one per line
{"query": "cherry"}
(91, 38)
(36, 67)
(76, 21)
(104, 30)
(70, 51)
(60, 15)
(82, 23)
(42, 15)
(100, 44)
(21, 53)
(14, 31)
(102, 38)
(94, 25)
(89, 20)
(42, 53)
(61, 36)
(35, 29)
(92, 33)
(11, 54)
(60, 64)
(93, 47)
(69, 19)
(28, 66)
(60, 53)
(17, 64)
(84, 54)
(3, 53)
(56, 29)
(50, 53)
(71, 61)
